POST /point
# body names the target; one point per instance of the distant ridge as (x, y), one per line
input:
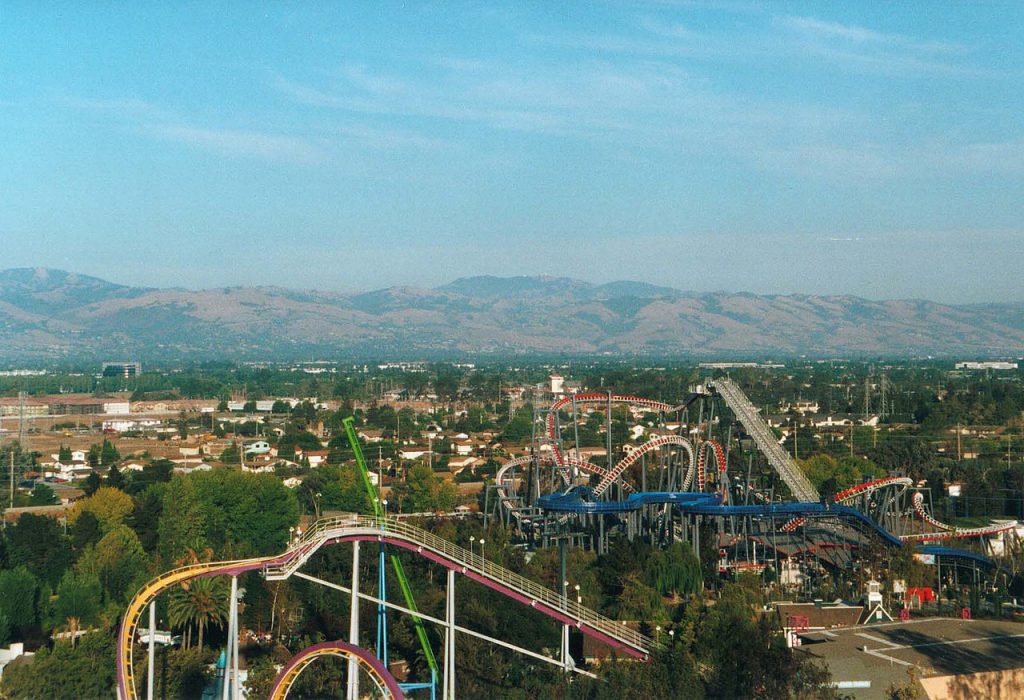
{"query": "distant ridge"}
(53, 315)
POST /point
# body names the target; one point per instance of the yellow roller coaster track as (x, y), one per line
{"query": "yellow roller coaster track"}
(383, 679)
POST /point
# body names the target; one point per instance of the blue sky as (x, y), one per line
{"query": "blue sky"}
(849, 148)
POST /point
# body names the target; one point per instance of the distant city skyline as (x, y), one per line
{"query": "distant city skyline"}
(866, 149)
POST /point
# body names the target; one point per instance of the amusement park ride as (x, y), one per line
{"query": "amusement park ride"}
(672, 487)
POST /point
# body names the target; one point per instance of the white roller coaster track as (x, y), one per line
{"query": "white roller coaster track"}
(755, 426)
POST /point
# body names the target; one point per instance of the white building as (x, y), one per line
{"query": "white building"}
(260, 447)
(557, 384)
(986, 365)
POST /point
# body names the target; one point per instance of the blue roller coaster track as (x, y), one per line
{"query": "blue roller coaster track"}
(576, 501)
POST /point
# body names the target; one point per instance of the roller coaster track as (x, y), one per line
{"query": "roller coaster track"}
(702, 459)
(852, 492)
(867, 487)
(505, 488)
(381, 677)
(957, 554)
(573, 501)
(568, 462)
(710, 504)
(758, 430)
(946, 531)
(328, 531)
(631, 459)
(659, 406)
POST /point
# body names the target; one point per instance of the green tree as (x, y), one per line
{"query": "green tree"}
(339, 488)
(38, 543)
(520, 428)
(85, 531)
(118, 561)
(640, 602)
(145, 517)
(836, 473)
(299, 438)
(91, 483)
(182, 524)
(43, 495)
(231, 454)
(64, 454)
(182, 425)
(260, 679)
(115, 479)
(19, 592)
(243, 513)
(87, 670)
(78, 602)
(428, 492)
(188, 673)
(674, 570)
(108, 453)
(199, 604)
(110, 506)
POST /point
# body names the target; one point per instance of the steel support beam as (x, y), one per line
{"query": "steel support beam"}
(236, 686)
(151, 678)
(439, 621)
(448, 681)
(353, 626)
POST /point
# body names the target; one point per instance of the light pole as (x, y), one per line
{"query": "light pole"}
(291, 535)
(579, 598)
(472, 539)
(316, 504)
(481, 548)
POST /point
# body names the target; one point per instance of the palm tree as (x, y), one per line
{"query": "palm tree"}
(73, 625)
(202, 602)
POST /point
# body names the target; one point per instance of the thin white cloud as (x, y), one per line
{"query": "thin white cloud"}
(251, 144)
(387, 139)
(374, 83)
(153, 120)
(421, 102)
(863, 35)
(127, 108)
(878, 52)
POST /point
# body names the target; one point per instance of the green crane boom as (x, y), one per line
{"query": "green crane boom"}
(378, 510)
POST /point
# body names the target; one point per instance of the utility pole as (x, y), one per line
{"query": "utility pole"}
(796, 430)
(21, 419)
(867, 396)
(959, 452)
(608, 461)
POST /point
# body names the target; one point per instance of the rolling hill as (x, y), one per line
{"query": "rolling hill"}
(51, 315)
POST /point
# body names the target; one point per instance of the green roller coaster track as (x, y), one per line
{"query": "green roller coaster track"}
(396, 564)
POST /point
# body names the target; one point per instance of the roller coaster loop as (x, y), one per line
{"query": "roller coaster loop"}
(381, 677)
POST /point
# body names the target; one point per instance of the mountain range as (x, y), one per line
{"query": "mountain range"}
(51, 315)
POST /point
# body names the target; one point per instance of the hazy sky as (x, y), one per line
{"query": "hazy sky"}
(860, 147)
